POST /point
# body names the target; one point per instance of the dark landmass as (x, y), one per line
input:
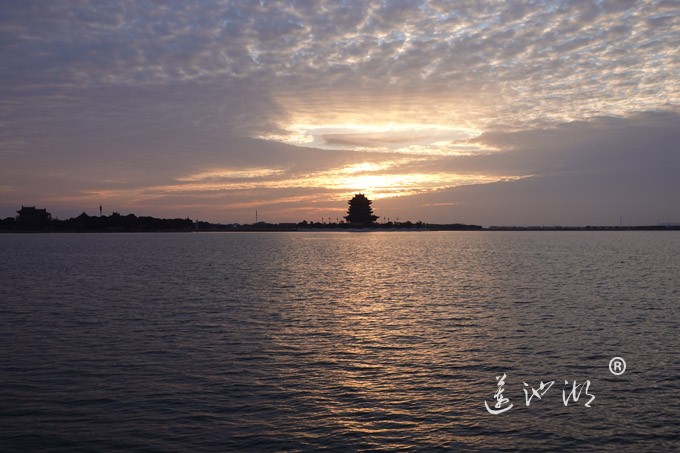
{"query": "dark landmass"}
(339, 226)
(30, 219)
(660, 227)
(38, 220)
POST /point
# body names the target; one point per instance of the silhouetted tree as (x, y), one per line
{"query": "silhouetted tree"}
(360, 210)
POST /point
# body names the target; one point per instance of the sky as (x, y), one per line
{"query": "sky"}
(485, 112)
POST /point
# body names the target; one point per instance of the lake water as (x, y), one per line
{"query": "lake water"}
(344, 341)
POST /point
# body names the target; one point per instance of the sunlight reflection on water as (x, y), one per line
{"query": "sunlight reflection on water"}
(345, 341)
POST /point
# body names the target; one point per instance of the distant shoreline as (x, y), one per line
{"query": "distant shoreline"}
(37, 220)
(245, 229)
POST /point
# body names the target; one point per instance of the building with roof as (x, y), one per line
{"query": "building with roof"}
(32, 217)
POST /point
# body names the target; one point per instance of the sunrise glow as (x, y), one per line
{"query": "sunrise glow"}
(556, 111)
(407, 138)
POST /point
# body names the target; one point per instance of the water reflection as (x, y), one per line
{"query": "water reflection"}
(312, 340)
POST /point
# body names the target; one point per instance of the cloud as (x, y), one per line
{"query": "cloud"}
(98, 98)
(579, 173)
(514, 63)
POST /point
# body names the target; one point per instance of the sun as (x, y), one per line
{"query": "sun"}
(384, 186)
(389, 152)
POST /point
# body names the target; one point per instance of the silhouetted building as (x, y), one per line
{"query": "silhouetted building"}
(30, 217)
(360, 210)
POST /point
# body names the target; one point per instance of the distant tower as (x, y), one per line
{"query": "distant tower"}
(100, 210)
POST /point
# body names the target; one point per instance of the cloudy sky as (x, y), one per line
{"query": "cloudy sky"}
(488, 112)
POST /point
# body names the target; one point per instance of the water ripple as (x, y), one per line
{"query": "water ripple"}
(299, 342)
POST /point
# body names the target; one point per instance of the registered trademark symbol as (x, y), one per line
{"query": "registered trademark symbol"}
(617, 366)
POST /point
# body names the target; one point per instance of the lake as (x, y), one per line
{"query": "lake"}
(340, 341)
